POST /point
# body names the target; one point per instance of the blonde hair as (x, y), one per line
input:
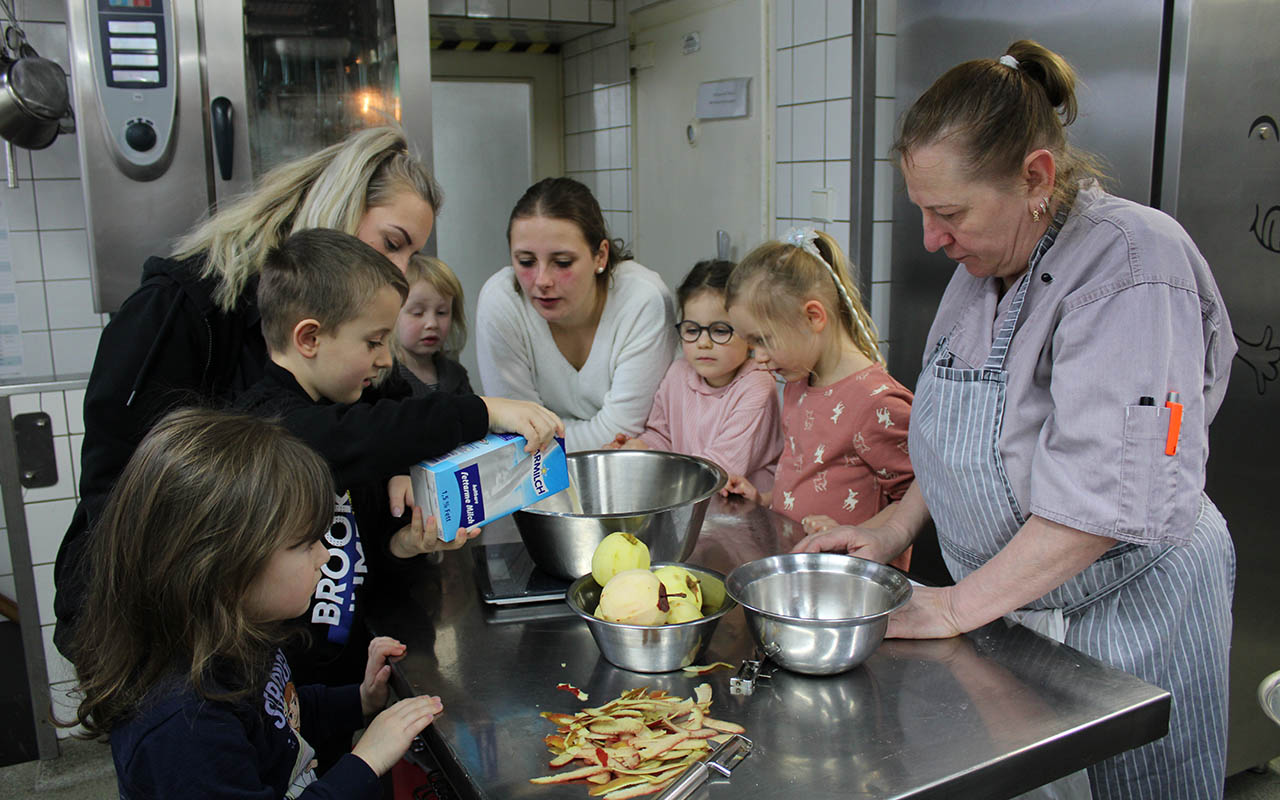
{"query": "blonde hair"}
(999, 113)
(777, 278)
(424, 268)
(332, 188)
(203, 504)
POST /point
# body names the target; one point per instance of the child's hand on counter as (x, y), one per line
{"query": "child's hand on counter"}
(616, 443)
(740, 486)
(817, 523)
(388, 737)
(400, 493)
(625, 442)
(422, 535)
(383, 652)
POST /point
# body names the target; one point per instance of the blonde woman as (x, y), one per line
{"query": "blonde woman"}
(190, 334)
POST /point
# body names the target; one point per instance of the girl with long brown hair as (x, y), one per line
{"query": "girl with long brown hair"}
(209, 541)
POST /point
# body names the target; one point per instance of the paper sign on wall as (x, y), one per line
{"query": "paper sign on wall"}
(723, 99)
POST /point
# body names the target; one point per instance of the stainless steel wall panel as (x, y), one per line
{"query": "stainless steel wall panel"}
(1115, 48)
(1228, 199)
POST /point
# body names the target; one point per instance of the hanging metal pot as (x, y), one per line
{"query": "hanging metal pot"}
(33, 99)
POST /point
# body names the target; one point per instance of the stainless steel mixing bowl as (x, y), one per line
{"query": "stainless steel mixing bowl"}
(652, 648)
(818, 613)
(660, 498)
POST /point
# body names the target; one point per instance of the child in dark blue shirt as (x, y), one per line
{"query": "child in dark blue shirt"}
(210, 539)
(329, 303)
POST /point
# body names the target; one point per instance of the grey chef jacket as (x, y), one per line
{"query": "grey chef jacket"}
(1129, 309)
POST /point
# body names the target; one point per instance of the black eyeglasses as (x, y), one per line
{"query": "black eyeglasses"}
(690, 331)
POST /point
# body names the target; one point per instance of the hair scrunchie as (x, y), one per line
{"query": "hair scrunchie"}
(805, 238)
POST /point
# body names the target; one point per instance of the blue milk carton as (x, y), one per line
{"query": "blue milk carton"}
(487, 479)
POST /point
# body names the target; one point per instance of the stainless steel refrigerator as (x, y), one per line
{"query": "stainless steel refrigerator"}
(1181, 97)
(180, 104)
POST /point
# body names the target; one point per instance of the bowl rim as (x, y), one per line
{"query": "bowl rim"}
(721, 480)
(865, 618)
(729, 604)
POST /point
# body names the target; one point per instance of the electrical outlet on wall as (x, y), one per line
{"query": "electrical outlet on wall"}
(822, 204)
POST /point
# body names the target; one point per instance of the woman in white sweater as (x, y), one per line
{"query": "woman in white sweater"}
(570, 324)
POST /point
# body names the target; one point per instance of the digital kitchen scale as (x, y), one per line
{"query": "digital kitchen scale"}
(507, 576)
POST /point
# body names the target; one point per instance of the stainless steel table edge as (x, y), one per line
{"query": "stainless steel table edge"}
(1016, 773)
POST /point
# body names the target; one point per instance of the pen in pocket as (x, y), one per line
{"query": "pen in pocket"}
(1172, 402)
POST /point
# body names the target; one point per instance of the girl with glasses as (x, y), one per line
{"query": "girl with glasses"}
(844, 417)
(715, 402)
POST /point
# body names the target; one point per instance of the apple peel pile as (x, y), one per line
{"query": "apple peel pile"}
(635, 745)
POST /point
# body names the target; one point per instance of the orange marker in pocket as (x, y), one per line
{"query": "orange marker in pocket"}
(1172, 403)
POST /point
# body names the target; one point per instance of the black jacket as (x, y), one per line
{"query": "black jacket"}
(169, 345)
(451, 377)
(365, 444)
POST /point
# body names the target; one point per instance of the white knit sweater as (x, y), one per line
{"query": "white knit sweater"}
(634, 345)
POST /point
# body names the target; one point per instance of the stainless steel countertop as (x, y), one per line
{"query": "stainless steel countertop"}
(986, 715)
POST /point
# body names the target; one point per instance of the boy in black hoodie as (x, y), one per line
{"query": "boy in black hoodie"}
(328, 303)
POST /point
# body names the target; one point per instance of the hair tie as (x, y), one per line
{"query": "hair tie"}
(1009, 61)
(805, 238)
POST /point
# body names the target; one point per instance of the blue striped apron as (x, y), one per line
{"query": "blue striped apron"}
(1160, 613)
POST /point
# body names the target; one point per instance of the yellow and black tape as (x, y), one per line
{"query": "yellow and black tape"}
(496, 47)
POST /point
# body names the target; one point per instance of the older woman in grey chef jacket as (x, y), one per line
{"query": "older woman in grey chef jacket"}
(1040, 436)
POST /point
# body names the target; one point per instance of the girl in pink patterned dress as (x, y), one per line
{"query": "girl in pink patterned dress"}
(844, 418)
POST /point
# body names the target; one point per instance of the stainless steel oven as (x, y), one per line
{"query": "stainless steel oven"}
(181, 103)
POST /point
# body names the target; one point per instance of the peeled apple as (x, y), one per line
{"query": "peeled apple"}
(680, 581)
(632, 597)
(618, 552)
(682, 611)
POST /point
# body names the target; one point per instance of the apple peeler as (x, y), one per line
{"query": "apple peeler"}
(751, 672)
(721, 762)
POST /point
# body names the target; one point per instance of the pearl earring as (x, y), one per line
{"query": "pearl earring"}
(599, 270)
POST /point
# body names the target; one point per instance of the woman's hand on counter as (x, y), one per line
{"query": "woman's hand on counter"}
(530, 420)
(422, 535)
(928, 615)
(383, 651)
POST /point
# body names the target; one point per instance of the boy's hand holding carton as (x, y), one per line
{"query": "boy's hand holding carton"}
(485, 480)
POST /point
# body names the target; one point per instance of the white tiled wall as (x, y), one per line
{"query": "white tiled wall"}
(60, 330)
(886, 125)
(48, 513)
(813, 57)
(812, 88)
(50, 248)
(597, 117)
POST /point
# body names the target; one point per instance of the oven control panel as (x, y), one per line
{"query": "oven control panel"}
(134, 66)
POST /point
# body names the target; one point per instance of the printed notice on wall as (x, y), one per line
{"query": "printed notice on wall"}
(10, 331)
(723, 99)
